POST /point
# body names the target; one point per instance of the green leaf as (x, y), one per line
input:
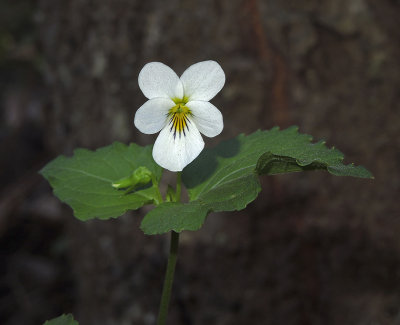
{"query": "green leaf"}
(62, 320)
(174, 216)
(85, 180)
(190, 216)
(264, 152)
(225, 178)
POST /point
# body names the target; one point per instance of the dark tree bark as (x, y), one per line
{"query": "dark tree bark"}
(313, 249)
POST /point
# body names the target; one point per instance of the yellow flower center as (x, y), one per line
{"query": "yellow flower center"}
(179, 117)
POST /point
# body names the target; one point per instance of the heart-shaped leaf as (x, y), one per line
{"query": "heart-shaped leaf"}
(85, 180)
(225, 178)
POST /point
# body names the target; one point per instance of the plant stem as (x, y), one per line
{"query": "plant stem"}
(157, 187)
(169, 278)
(178, 186)
(169, 274)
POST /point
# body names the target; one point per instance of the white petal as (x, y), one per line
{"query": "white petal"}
(152, 115)
(207, 117)
(203, 80)
(175, 153)
(158, 80)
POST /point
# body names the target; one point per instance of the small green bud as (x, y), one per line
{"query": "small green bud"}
(141, 176)
(122, 183)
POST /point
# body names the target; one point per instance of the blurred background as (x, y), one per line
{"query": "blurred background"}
(312, 249)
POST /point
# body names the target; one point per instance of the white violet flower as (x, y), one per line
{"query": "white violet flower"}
(180, 109)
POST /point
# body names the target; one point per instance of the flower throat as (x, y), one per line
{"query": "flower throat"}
(179, 118)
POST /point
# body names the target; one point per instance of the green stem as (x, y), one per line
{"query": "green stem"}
(157, 188)
(169, 274)
(169, 279)
(178, 186)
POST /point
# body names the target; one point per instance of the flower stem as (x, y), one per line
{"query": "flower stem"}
(157, 188)
(169, 274)
(169, 278)
(178, 186)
